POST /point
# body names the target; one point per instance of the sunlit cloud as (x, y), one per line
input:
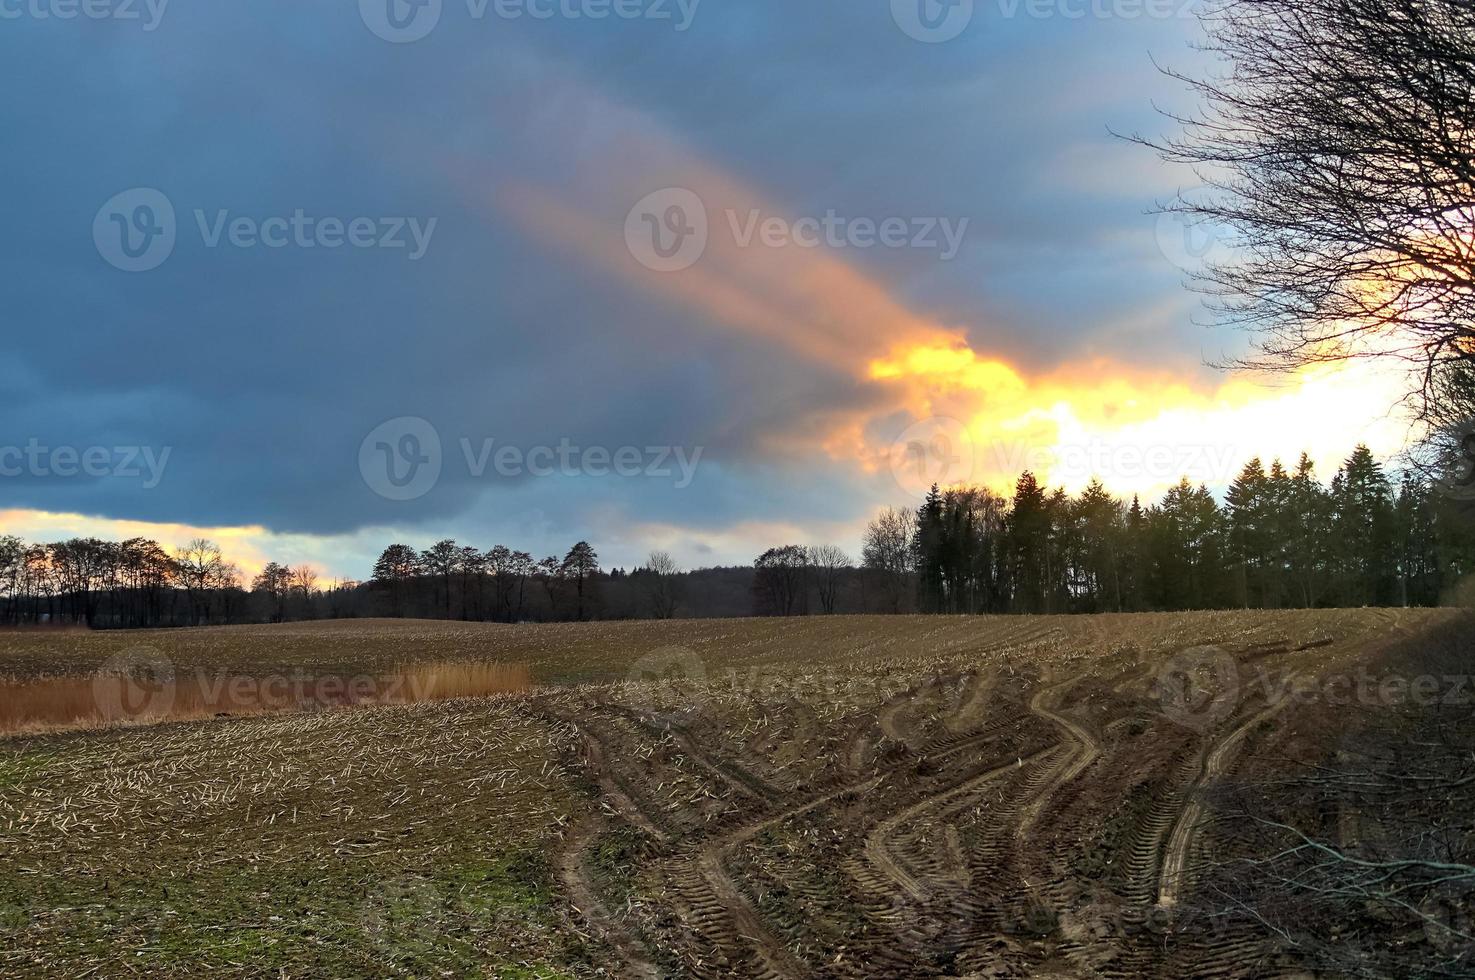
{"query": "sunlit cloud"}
(1137, 432)
(1136, 427)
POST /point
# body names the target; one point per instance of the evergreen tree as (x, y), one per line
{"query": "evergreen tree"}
(1028, 547)
(1135, 559)
(1363, 531)
(1188, 550)
(1418, 551)
(1305, 524)
(1101, 529)
(1247, 506)
(927, 543)
(1274, 543)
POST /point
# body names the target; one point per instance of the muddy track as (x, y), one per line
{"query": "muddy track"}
(979, 681)
(746, 925)
(736, 778)
(717, 908)
(1176, 855)
(573, 860)
(573, 874)
(1083, 751)
(878, 842)
(926, 877)
(981, 822)
(1068, 757)
(624, 807)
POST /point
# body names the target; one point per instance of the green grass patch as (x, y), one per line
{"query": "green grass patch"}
(358, 919)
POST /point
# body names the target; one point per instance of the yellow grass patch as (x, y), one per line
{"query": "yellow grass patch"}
(102, 700)
(447, 679)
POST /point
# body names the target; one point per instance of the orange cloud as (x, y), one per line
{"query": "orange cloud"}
(1079, 419)
(1136, 431)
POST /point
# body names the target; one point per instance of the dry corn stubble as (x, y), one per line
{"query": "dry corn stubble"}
(250, 844)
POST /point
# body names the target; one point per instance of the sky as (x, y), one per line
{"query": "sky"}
(704, 276)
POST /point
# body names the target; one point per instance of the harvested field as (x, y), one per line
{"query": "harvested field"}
(826, 797)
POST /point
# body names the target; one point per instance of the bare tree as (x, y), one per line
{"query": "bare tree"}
(549, 572)
(274, 582)
(394, 570)
(443, 559)
(580, 566)
(1337, 149)
(829, 564)
(202, 569)
(523, 568)
(887, 552)
(305, 580)
(12, 570)
(473, 569)
(1361, 857)
(305, 586)
(504, 581)
(663, 584)
(1353, 856)
(781, 581)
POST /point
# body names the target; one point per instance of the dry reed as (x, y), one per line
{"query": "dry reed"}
(103, 700)
(448, 679)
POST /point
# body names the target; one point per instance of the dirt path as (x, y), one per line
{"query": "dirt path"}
(573, 873)
(1086, 750)
(720, 910)
(877, 843)
(984, 821)
(749, 925)
(980, 683)
(624, 806)
(1073, 757)
(1216, 765)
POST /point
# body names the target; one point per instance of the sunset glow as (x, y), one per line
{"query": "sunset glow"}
(1137, 432)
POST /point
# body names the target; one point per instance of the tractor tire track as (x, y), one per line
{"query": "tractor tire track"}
(574, 874)
(1086, 751)
(877, 843)
(1216, 765)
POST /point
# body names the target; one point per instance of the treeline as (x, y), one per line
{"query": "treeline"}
(138, 584)
(1280, 539)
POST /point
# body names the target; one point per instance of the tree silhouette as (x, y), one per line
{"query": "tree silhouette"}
(580, 566)
(1335, 144)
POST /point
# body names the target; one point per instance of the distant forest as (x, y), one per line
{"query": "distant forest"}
(1280, 539)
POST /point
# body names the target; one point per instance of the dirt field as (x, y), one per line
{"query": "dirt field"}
(842, 797)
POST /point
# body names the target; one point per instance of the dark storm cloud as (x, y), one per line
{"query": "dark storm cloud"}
(263, 369)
